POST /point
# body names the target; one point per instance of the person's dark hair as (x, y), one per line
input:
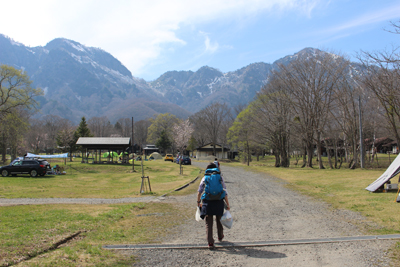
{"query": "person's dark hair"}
(216, 159)
(211, 165)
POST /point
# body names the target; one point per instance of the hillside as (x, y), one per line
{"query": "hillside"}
(86, 81)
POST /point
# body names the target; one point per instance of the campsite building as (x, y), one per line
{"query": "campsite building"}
(150, 149)
(208, 150)
(95, 146)
(381, 145)
(392, 147)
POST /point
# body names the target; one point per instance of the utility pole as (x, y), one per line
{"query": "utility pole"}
(361, 135)
(133, 149)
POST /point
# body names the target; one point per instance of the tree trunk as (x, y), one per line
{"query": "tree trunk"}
(283, 151)
(3, 149)
(214, 150)
(336, 153)
(310, 152)
(304, 157)
(248, 153)
(329, 155)
(319, 151)
(277, 159)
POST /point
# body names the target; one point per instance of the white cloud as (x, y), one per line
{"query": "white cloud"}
(379, 15)
(133, 31)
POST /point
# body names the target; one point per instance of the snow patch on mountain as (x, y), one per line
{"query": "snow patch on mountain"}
(114, 73)
(77, 47)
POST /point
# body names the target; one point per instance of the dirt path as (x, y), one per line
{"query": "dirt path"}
(263, 209)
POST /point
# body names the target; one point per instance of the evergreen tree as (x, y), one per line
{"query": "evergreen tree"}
(163, 142)
(83, 129)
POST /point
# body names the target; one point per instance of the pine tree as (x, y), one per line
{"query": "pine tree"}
(83, 129)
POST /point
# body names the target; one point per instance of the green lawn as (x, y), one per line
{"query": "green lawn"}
(28, 233)
(98, 181)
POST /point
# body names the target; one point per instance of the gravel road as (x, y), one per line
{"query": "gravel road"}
(263, 209)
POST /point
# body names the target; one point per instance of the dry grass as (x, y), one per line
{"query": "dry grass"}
(27, 232)
(98, 181)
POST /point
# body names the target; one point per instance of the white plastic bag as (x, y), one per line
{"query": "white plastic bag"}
(198, 218)
(227, 219)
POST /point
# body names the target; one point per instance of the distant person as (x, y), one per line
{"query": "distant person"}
(212, 204)
(216, 163)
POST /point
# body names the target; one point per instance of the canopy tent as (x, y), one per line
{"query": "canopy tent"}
(156, 155)
(391, 172)
(58, 156)
(111, 154)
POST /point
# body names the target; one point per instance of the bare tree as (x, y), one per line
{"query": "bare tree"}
(140, 132)
(35, 137)
(271, 116)
(382, 78)
(211, 119)
(309, 85)
(66, 138)
(52, 124)
(100, 126)
(123, 127)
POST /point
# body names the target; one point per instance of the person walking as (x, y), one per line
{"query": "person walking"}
(211, 208)
(216, 162)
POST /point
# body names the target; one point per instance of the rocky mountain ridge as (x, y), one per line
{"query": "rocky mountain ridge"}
(86, 81)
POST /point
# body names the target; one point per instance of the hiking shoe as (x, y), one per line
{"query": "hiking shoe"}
(220, 239)
(211, 246)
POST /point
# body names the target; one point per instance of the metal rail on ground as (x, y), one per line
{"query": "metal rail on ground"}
(226, 244)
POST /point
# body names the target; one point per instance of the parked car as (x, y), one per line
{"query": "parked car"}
(25, 166)
(186, 161)
(41, 161)
(169, 157)
(46, 164)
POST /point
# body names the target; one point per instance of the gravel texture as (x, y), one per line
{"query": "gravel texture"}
(263, 209)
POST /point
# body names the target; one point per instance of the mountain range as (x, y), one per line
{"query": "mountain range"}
(85, 81)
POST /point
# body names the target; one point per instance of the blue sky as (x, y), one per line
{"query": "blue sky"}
(154, 36)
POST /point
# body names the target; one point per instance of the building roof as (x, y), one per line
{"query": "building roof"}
(209, 147)
(150, 147)
(104, 141)
(111, 143)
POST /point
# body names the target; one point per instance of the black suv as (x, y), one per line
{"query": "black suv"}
(46, 164)
(25, 166)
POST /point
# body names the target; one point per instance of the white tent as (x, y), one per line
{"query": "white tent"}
(391, 172)
(156, 155)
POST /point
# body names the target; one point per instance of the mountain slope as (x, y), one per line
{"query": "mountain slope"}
(83, 81)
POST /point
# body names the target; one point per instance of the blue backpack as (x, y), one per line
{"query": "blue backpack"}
(214, 189)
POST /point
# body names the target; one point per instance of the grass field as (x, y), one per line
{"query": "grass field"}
(28, 233)
(98, 181)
